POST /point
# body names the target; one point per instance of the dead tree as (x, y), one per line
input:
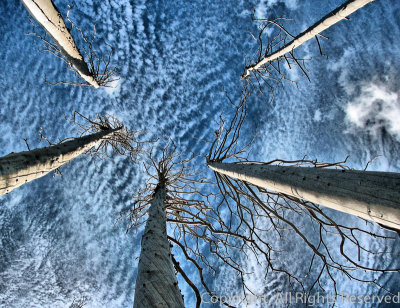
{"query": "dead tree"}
(94, 69)
(95, 137)
(173, 196)
(211, 229)
(279, 50)
(369, 195)
(156, 283)
(335, 247)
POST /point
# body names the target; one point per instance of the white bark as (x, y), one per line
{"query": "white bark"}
(370, 195)
(17, 169)
(48, 16)
(337, 15)
(156, 283)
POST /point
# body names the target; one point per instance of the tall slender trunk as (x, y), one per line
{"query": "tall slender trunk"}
(156, 283)
(370, 195)
(17, 169)
(48, 16)
(333, 17)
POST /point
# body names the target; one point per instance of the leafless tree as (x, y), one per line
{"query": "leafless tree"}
(156, 284)
(95, 137)
(276, 45)
(192, 222)
(208, 229)
(124, 142)
(336, 248)
(275, 70)
(93, 68)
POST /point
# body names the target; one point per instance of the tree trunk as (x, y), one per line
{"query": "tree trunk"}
(370, 195)
(156, 283)
(333, 17)
(48, 16)
(17, 169)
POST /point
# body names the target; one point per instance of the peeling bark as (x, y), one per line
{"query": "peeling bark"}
(48, 16)
(17, 169)
(367, 194)
(156, 283)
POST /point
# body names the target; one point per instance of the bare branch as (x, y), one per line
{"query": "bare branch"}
(283, 43)
(87, 64)
(123, 142)
(253, 211)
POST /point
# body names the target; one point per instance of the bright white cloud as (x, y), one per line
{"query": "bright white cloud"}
(374, 109)
(317, 115)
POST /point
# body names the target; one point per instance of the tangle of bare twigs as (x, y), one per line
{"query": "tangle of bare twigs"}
(244, 221)
(193, 222)
(258, 217)
(98, 65)
(122, 142)
(272, 36)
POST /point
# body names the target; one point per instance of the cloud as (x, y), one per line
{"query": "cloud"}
(263, 6)
(375, 110)
(317, 115)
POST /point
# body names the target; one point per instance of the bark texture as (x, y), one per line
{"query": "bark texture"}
(48, 16)
(370, 195)
(156, 283)
(17, 169)
(337, 15)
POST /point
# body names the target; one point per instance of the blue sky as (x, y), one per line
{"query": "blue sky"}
(59, 236)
